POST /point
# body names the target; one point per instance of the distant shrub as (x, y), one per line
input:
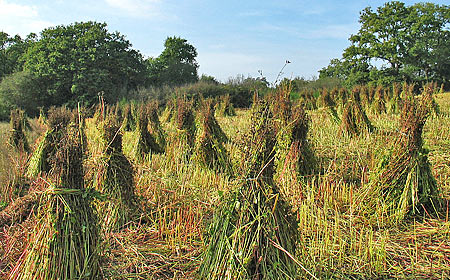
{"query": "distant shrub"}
(20, 90)
(205, 89)
(160, 93)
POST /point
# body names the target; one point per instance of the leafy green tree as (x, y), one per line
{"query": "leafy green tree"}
(409, 42)
(428, 41)
(21, 90)
(208, 79)
(336, 69)
(349, 71)
(78, 61)
(176, 65)
(11, 51)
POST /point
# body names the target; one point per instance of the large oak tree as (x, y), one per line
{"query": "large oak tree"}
(176, 65)
(397, 42)
(77, 61)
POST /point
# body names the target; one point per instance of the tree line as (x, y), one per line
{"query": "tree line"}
(71, 64)
(67, 65)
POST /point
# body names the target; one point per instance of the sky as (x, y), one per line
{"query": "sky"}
(232, 37)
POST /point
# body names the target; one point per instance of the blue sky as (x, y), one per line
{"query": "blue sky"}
(232, 37)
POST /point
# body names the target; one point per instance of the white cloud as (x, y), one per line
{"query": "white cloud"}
(7, 9)
(136, 8)
(20, 19)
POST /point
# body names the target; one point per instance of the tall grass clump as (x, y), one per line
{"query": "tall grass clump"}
(181, 140)
(294, 157)
(209, 149)
(405, 177)
(379, 102)
(354, 118)
(17, 137)
(114, 179)
(224, 107)
(129, 120)
(154, 125)
(57, 122)
(145, 142)
(253, 234)
(64, 241)
(326, 100)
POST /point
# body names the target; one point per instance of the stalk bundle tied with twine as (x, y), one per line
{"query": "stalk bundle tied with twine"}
(253, 222)
(58, 120)
(114, 179)
(294, 157)
(405, 176)
(354, 118)
(64, 244)
(17, 138)
(209, 149)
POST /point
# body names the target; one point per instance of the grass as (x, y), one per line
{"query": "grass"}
(337, 239)
(12, 164)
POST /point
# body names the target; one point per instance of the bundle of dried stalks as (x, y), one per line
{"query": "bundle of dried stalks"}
(354, 118)
(394, 103)
(181, 140)
(58, 119)
(209, 149)
(253, 234)
(154, 125)
(129, 121)
(307, 99)
(64, 243)
(326, 101)
(342, 98)
(405, 176)
(224, 107)
(379, 102)
(184, 119)
(145, 142)
(114, 179)
(294, 157)
(169, 110)
(431, 89)
(364, 97)
(17, 138)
